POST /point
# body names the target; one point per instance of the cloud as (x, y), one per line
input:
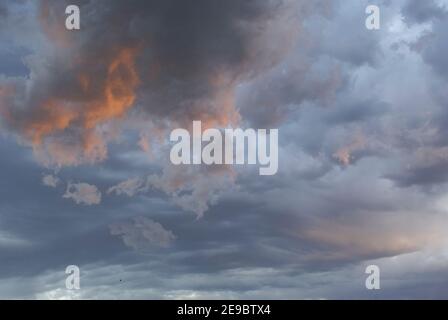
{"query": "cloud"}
(193, 188)
(128, 187)
(150, 62)
(9, 240)
(374, 240)
(50, 181)
(83, 193)
(426, 166)
(344, 154)
(143, 233)
(338, 94)
(416, 11)
(316, 69)
(432, 45)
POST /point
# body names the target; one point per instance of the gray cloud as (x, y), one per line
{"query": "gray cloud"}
(362, 126)
(142, 233)
(83, 193)
(50, 180)
(128, 187)
(416, 11)
(155, 55)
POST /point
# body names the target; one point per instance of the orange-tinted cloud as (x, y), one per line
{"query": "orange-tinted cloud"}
(345, 154)
(119, 90)
(151, 57)
(66, 130)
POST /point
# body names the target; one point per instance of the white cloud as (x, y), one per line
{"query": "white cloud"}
(143, 233)
(129, 187)
(83, 193)
(194, 188)
(50, 181)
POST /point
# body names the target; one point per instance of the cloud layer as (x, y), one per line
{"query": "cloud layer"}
(85, 121)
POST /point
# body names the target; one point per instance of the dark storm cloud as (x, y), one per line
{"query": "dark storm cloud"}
(425, 176)
(350, 112)
(317, 69)
(433, 46)
(416, 11)
(425, 159)
(177, 61)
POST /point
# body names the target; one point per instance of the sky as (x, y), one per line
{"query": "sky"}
(86, 178)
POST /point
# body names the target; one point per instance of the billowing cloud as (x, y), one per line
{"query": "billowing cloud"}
(83, 193)
(155, 58)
